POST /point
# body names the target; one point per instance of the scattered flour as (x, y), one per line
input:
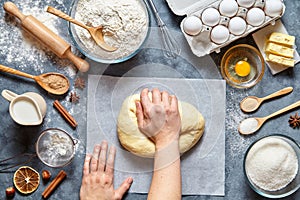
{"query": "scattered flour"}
(235, 143)
(20, 50)
(125, 21)
(271, 164)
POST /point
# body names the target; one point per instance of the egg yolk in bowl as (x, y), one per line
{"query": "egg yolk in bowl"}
(242, 68)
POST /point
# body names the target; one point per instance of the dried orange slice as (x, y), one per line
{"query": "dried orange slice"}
(26, 180)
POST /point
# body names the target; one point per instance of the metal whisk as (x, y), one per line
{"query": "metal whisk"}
(171, 47)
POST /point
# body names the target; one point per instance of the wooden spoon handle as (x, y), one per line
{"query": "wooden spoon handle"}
(63, 15)
(12, 9)
(16, 72)
(285, 109)
(279, 93)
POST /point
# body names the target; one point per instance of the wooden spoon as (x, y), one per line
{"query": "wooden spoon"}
(251, 103)
(251, 125)
(96, 32)
(44, 35)
(52, 82)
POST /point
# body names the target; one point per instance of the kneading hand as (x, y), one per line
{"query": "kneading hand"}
(98, 173)
(159, 119)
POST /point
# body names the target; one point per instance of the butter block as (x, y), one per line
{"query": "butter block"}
(279, 50)
(283, 39)
(281, 60)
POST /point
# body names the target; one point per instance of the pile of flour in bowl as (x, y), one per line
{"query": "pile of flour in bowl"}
(125, 23)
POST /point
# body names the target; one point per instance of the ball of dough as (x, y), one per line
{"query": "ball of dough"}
(192, 128)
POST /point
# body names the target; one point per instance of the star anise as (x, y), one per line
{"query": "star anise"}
(74, 98)
(294, 121)
(79, 83)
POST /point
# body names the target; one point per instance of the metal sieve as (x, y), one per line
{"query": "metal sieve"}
(55, 147)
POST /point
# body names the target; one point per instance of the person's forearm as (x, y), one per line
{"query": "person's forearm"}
(166, 180)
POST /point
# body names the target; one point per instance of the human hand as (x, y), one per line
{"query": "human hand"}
(159, 119)
(98, 173)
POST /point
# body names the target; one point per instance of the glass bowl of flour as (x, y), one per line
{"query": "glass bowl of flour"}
(271, 166)
(125, 26)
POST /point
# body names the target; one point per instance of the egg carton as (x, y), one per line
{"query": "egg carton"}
(209, 37)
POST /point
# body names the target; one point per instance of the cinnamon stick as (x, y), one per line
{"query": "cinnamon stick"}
(66, 115)
(54, 184)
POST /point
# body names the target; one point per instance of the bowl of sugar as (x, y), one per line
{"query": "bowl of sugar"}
(125, 26)
(271, 166)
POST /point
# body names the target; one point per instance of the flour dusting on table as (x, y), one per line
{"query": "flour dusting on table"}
(22, 51)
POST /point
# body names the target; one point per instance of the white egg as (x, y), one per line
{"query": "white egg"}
(228, 8)
(219, 34)
(192, 25)
(255, 17)
(210, 16)
(237, 26)
(246, 3)
(273, 8)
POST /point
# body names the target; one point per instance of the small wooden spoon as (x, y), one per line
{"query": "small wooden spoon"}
(251, 125)
(251, 103)
(96, 32)
(59, 85)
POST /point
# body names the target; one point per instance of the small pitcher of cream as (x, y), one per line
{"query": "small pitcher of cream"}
(27, 109)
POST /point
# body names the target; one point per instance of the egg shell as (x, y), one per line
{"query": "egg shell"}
(237, 26)
(192, 25)
(219, 34)
(255, 17)
(273, 8)
(228, 8)
(245, 3)
(210, 16)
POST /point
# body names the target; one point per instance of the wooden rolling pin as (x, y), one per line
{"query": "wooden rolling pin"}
(60, 47)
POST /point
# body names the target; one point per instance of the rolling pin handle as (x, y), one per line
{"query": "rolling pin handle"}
(12, 9)
(82, 65)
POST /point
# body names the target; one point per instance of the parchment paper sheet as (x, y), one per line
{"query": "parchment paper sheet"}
(203, 167)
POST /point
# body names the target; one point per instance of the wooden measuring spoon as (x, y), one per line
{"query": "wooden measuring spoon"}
(251, 103)
(52, 82)
(251, 125)
(96, 32)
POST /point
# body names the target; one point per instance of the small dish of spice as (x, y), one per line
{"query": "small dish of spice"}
(271, 166)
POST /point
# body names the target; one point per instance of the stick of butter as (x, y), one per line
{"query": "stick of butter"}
(281, 60)
(282, 38)
(280, 50)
